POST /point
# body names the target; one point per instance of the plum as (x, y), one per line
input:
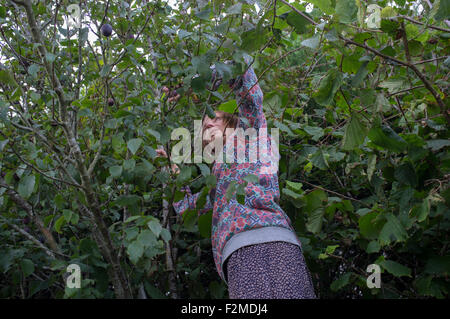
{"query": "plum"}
(106, 29)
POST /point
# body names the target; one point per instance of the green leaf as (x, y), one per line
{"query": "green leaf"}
(116, 170)
(253, 39)
(331, 249)
(134, 144)
(155, 227)
(443, 12)
(231, 190)
(228, 107)
(251, 178)
(370, 225)
(50, 57)
(3, 144)
(204, 14)
(184, 175)
(406, 174)
(315, 131)
(165, 235)
(67, 215)
(217, 290)
(105, 70)
(210, 112)
(135, 251)
(288, 192)
(341, 282)
(385, 137)
(318, 159)
(324, 5)
(117, 143)
(7, 78)
(299, 23)
(438, 265)
(33, 70)
(373, 247)
(153, 292)
(394, 85)
(26, 186)
(395, 268)
(295, 186)
(59, 223)
(312, 43)
(360, 75)
(128, 200)
(315, 220)
(240, 194)
(205, 224)
(314, 200)
(204, 169)
(355, 133)
(436, 145)
(235, 9)
(421, 211)
(129, 164)
(328, 87)
(346, 11)
(389, 26)
(392, 230)
(371, 165)
(147, 238)
(27, 267)
(75, 219)
(59, 201)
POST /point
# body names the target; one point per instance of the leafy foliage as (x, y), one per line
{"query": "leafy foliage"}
(362, 111)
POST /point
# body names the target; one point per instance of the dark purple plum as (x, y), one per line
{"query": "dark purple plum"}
(106, 29)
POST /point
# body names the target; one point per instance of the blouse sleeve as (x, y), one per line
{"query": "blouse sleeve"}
(250, 109)
(190, 202)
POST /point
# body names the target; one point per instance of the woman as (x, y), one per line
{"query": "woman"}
(255, 248)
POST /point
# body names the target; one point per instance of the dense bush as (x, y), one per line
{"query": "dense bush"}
(358, 90)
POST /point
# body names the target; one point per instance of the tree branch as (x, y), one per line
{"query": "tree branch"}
(422, 77)
(299, 12)
(21, 202)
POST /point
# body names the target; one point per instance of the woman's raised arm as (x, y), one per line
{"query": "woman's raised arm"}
(249, 97)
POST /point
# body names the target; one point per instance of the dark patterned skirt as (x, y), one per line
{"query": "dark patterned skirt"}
(273, 270)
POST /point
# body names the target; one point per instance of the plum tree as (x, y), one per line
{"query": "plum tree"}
(363, 134)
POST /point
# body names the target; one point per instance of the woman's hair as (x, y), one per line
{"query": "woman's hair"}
(230, 120)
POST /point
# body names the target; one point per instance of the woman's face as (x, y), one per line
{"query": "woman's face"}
(213, 128)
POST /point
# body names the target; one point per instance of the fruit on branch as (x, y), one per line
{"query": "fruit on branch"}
(110, 101)
(106, 29)
(196, 98)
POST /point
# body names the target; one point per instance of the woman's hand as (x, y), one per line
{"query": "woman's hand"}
(162, 153)
(173, 95)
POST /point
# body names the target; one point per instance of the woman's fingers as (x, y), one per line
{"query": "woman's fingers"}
(161, 152)
(172, 94)
(175, 169)
(174, 98)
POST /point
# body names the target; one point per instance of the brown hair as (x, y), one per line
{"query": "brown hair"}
(231, 121)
